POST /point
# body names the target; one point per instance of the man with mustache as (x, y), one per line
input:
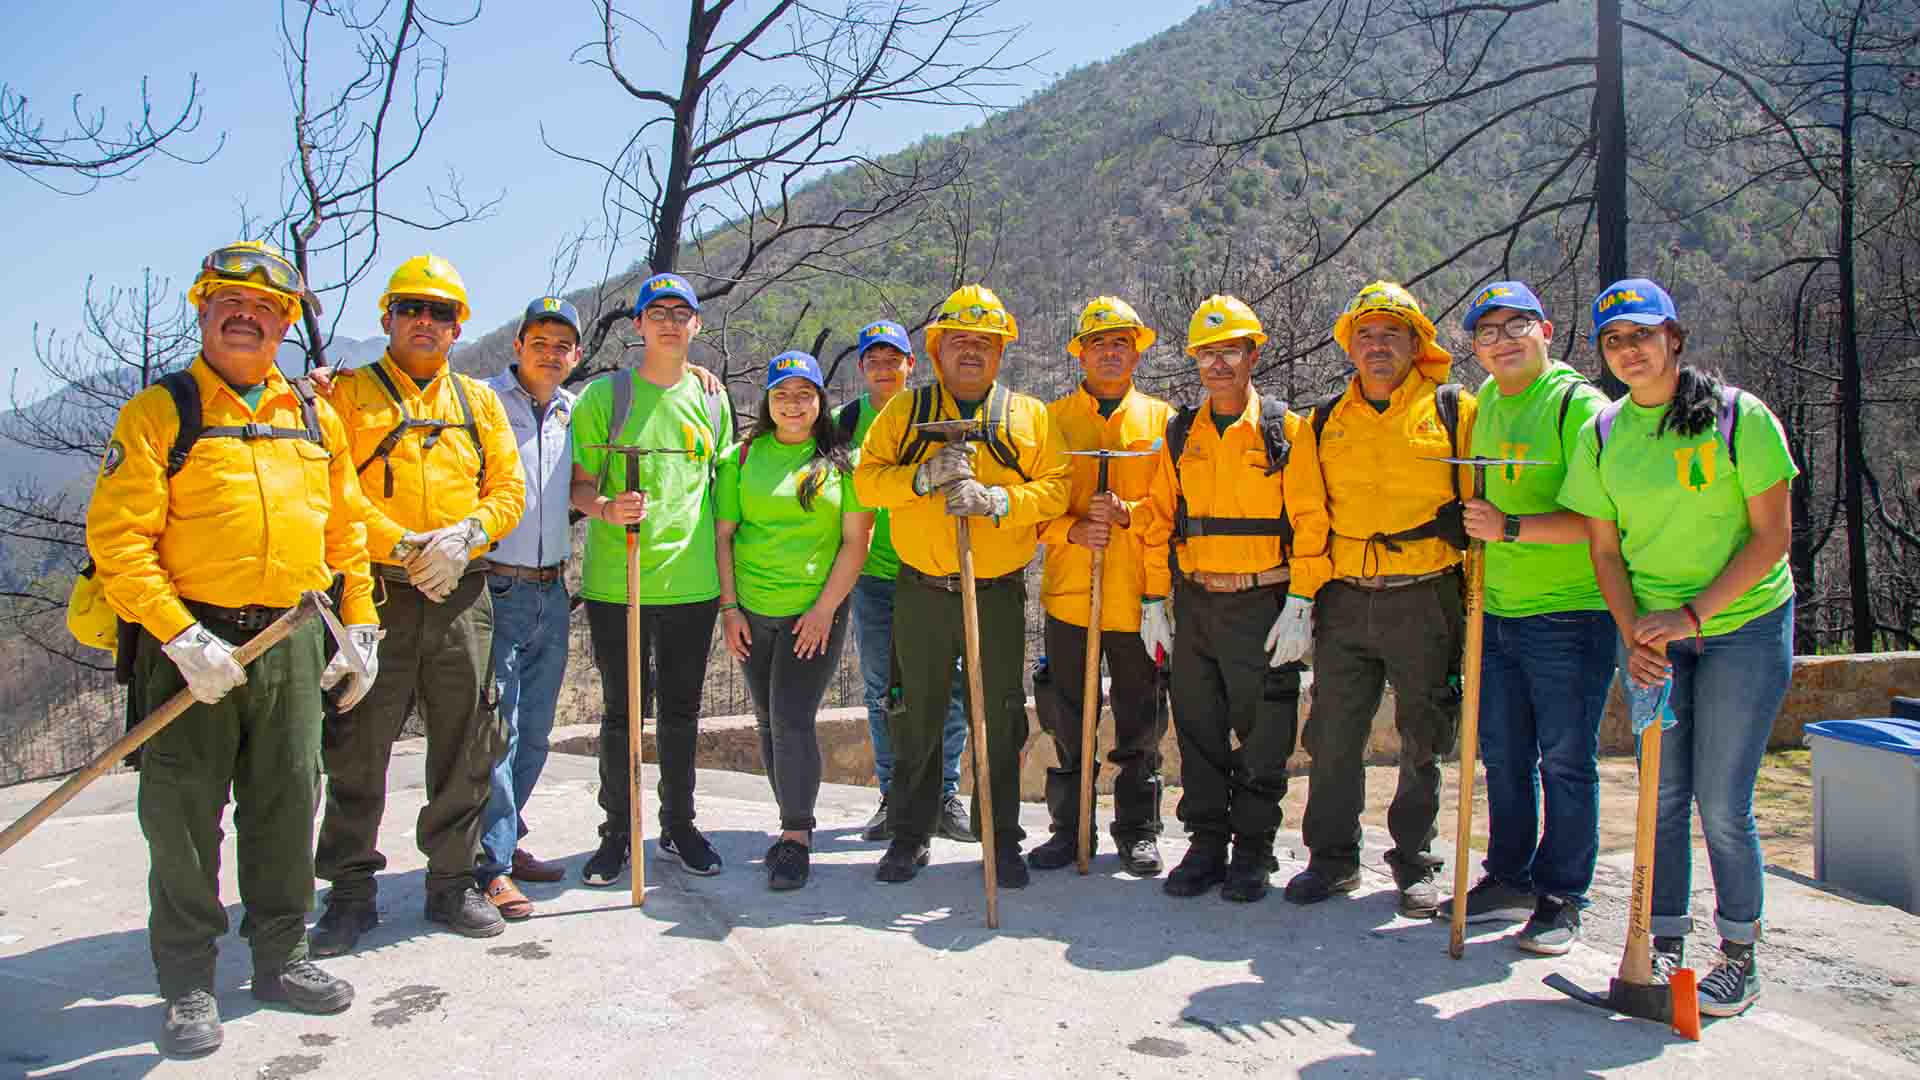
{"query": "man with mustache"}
(438, 462)
(1239, 491)
(1012, 482)
(200, 543)
(1392, 612)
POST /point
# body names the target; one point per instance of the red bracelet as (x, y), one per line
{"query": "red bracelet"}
(1698, 641)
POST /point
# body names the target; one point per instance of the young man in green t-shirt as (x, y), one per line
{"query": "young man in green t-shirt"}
(886, 362)
(1549, 643)
(679, 581)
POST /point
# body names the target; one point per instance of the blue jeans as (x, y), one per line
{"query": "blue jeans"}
(529, 660)
(1543, 686)
(1725, 699)
(873, 628)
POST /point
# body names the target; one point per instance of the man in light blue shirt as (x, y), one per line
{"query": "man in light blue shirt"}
(527, 580)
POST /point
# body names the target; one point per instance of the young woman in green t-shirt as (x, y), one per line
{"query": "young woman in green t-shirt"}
(1685, 486)
(790, 538)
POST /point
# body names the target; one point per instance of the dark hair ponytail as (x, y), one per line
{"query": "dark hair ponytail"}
(830, 448)
(1696, 398)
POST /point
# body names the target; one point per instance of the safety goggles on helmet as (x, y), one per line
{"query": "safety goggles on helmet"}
(247, 262)
(440, 311)
(974, 315)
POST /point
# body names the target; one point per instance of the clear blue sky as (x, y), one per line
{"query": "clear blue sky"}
(509, 73)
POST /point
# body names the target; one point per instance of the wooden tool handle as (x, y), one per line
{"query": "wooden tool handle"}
(977, 707)
(636, 672)
(167, 713)
(1636, 962)
(1469, 742)
(1090, 711)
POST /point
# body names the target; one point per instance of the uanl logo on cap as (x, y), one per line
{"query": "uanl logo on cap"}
(550, 304)
(789, 363)
(1490, 294)
(1624, 296)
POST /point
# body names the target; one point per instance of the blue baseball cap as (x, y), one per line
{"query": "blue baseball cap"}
(551, 307)
(884, 332)
(1502, 294)
(794, 365)
(1635, 300)
(662, 286)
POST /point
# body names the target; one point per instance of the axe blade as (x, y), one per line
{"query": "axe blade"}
(637, 451)
(1487, 461)
(950, 429)
(342, 641)
(1148, 452)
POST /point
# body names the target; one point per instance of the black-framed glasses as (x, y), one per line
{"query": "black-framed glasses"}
(440, 311)
(1491, 333)
(679, 316)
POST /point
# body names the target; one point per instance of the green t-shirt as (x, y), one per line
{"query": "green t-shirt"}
(782, 554)
(1535, 579)
(676, 539)
(882, 562)
(1681, 509)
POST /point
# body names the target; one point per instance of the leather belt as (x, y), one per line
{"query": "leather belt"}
(1238, 582)
(1383, 582)
(539, 575)
(250, 617)
(951, 582)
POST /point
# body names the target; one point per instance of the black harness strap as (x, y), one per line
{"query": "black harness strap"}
(186, 403)
(408, 422)
(1273, 435)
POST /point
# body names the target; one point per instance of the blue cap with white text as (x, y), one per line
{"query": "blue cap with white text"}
(1502, 294)
(794, 365)
(1636, 300)
(662, 286)
(884, 332)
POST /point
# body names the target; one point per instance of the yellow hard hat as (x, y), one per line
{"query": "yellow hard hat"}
(1223, 318)
(972, 307)
(427, 275)
(1110, 313)
(251, 264)
(1387, 298)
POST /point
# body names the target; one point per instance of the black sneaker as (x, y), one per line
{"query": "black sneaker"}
(1493, 900)
(192, 1025)
(954, 823)
(1669, 955)
(1060, 849)
(304, 986)
(1010, 868)
(464, 911)
(1733, 984)
(903, 860)
(1139, 855)
(1203, 867)
(787, 865)
(1418, 879)
(878, 827)
(341, 925)
(609, 862)
(1552, 930)
(689, 845)
(1247, 873)
(1314, 884)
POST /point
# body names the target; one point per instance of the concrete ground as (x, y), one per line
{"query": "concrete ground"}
(1096, 976)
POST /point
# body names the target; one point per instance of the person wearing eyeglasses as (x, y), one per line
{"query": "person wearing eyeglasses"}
(660, 403)
(197, 551)
(440, 467)
(1686, 486)
(1548, 656)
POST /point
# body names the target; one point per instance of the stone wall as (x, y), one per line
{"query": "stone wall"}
(1824, 688)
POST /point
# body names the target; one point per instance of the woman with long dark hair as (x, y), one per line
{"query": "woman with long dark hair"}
(1684, 483)
(790, 538)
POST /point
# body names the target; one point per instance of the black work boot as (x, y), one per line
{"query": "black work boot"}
(1063, 805)
(1136, 820)
(1417, 876)
(1139, 853)
(341, 925)
(463, 910)
(192, 1025)
(1009, 866)
(1317, 883)
(1203, 867)
(904, 858)
(304, 986)
(1060, 849)
(1247, 874)
(878, 827)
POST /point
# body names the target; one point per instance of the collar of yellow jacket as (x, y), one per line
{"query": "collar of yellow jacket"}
(212, 384)
(1416, 384)
(393, 368)
(1092, 404)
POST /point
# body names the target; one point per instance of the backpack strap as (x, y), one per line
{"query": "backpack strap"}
(408, 422)
(1272, 415)
(1446, 402)
(1730, 421)
(1320, 411)
(848, 420)
(1273, 432)
(472, 426)
(186, 404)
(719, 418)
(999, 438)
(913, 443)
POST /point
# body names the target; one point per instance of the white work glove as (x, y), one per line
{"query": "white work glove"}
(1156, 628)
(365, 640)
(953, 461)
(971, 498)
(206, 662)
(436, 568)
(1292, 632)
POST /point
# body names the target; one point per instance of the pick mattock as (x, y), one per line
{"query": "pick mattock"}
(960, 431)
(636, 839)
(1090, 685)
(311, 604)
(1470, 701)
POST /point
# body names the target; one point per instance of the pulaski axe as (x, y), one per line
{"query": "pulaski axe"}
(311, 603)
(635, 835)
(1090, 674)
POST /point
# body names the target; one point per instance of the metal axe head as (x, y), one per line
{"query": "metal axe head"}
(953, 430)
(639, 451)
(1486, 461)
(1148, 452)
(342, 641)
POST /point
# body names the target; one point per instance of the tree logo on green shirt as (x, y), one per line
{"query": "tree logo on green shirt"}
(1693, 465)
(1514, 451)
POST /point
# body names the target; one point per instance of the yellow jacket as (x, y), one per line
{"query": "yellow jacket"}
(1377, 483)
(245, 522)
(1136, 562)
(437, 487)
(1225, 476)
(924, 536)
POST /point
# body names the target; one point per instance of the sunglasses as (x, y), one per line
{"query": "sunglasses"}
(261, 267)
(679, 316)
(440, 311)
(1490, 334)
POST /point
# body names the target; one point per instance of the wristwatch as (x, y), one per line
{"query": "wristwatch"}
(1512, 532)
